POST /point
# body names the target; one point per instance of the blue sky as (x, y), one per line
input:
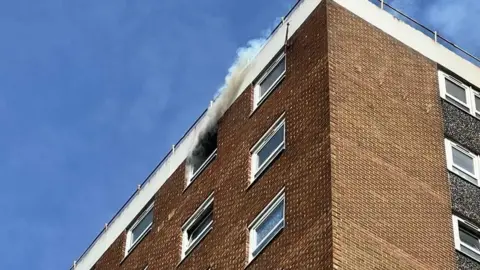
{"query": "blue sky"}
(93, 94)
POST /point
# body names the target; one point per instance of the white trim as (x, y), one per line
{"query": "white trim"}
(475, 110)
(186, 246)
(259, 220)
(470, 93)
(258, 99)
(458, 170)
(257, 169)
(193, 175)
(456, 235)
(129, 245)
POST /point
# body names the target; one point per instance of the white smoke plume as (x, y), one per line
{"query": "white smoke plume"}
(224, 96)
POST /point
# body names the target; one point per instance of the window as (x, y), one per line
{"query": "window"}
(140, 228)
(467, 238)
(462, 162)
(268, 148)
(204, 152)
(270, 79)
(197, 226)
(476, 96)
(267, 225)
(459, 94)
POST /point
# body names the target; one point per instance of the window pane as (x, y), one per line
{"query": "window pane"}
(271, 145)
(456, 91)
(198, 228)
(469, 238)
(463, 161)
(272, 77)
(142, 226)
(469, 252)
(270, 223)
(477, 103)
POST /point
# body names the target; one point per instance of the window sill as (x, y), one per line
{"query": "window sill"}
(201, 169)
(465, 110)
(466, 255)
(140, 239)
(465, 179)
(194, 245)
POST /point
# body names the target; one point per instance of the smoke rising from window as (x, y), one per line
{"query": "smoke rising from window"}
(223, 99)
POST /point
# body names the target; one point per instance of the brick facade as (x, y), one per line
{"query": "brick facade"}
(391, 199)
(364, 170)
(303, 169)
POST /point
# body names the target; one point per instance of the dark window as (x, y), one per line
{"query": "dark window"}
(470, 241)
(207, 144)
(201, 225)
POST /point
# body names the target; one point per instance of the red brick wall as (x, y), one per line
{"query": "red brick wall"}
(391, 199)
(303, 169)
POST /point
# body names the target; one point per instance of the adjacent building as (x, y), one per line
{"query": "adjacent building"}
(353, 143)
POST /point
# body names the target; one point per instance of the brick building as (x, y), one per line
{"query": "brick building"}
(353, 142)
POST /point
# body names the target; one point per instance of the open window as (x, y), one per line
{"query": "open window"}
(467, 238)
(197, 226)
(204, 152)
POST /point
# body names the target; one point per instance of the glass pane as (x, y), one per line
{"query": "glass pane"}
(477, 103)
(469, 252)
(270, 223)
(463, 161)
(469, 238)
(456, 91)
(197, 229)
(271, 145)
(142, 226)
(272, 77)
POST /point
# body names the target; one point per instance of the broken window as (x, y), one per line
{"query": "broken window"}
(203, 153)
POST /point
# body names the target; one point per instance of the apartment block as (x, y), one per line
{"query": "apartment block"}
(352, 141)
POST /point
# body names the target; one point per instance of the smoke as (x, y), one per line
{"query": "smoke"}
(223, 99)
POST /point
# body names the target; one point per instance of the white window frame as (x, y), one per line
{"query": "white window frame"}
(258, 99)
(456, 235)
(131, 245)
(476, 161)
(476, 111)
(254, 250)
(193, 175)
(470, 94)
(258, 169)
(186, 246)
